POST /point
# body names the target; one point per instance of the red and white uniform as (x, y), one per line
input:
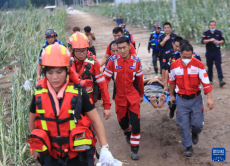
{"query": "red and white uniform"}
(189, 79)
(127, 98)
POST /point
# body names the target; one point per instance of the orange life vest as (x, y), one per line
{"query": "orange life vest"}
(66, 134)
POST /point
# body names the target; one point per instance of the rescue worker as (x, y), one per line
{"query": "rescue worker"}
(126, 70)
(51, 38)
(156, 50)
(128, 35)
(176, 55)
(113, 50)
(91, 38)
(213, 38)
(120, 20)
(61, 113)
(165, 42)
(88, 67)
(117, 33)
(187, 73)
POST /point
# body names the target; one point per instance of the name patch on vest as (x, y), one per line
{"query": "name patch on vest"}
(132, 67)
(118, 67)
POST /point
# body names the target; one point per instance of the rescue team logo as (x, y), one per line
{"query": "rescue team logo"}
(164, 60)
(118, 67)
(204, 35)
(132, 67)
(205, 74)
(140, 68)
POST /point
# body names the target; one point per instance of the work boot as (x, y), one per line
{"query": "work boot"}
(188, 152)
(134, 152)
(194, 138)
(222, 83)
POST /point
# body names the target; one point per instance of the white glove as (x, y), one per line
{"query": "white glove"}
(115, 163)
(106, 157)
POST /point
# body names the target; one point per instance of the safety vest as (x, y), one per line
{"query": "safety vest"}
(66, 134)
(127, 34)
(154, 41)
(86, 74)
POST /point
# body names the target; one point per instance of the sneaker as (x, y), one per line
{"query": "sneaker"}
(194, 138)
(188, 152)
(134, 155)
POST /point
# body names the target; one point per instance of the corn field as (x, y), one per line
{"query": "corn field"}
(21, 38)
(189, 21)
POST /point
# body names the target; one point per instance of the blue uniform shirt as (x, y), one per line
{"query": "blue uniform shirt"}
(211, 47)
(166, 56)
(120, 21)
(168, 44)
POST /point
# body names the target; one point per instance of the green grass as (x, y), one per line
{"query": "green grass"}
(190, 21)
(21, 38)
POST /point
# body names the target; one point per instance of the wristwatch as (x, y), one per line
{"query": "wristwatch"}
(105, 146)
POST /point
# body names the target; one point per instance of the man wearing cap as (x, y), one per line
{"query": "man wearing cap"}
(128, 35)
(186, 76)
(153, 43)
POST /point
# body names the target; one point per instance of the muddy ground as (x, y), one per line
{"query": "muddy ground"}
(160, 137)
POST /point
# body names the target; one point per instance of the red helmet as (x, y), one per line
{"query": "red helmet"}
(55, 55)
(79, 40)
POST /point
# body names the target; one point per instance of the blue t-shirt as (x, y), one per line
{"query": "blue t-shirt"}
(120, 21)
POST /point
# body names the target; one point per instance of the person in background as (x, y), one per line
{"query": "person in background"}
(91, 38)
(128, 35)
(156, 50)
(76, 29)
(120, 20)
(117, 33)
(213, 38)
(51, 38)
(166, 42)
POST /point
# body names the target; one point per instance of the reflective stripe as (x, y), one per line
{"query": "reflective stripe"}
(71, 89)
(108, 71)
(72, 124)
(115, 61)
(82, 142)
(136, 137)
(134, 73)
(38, 92)
(44, 125)
(101, 79)
(134, 142)
(109, 75)
(98, 75)
(40, 111)
(139, 71)
(139, 74)
(115, 75)
(90, 91)
(44, 148)
(70, 111)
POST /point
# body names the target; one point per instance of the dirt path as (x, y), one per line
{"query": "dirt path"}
(160, 137)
